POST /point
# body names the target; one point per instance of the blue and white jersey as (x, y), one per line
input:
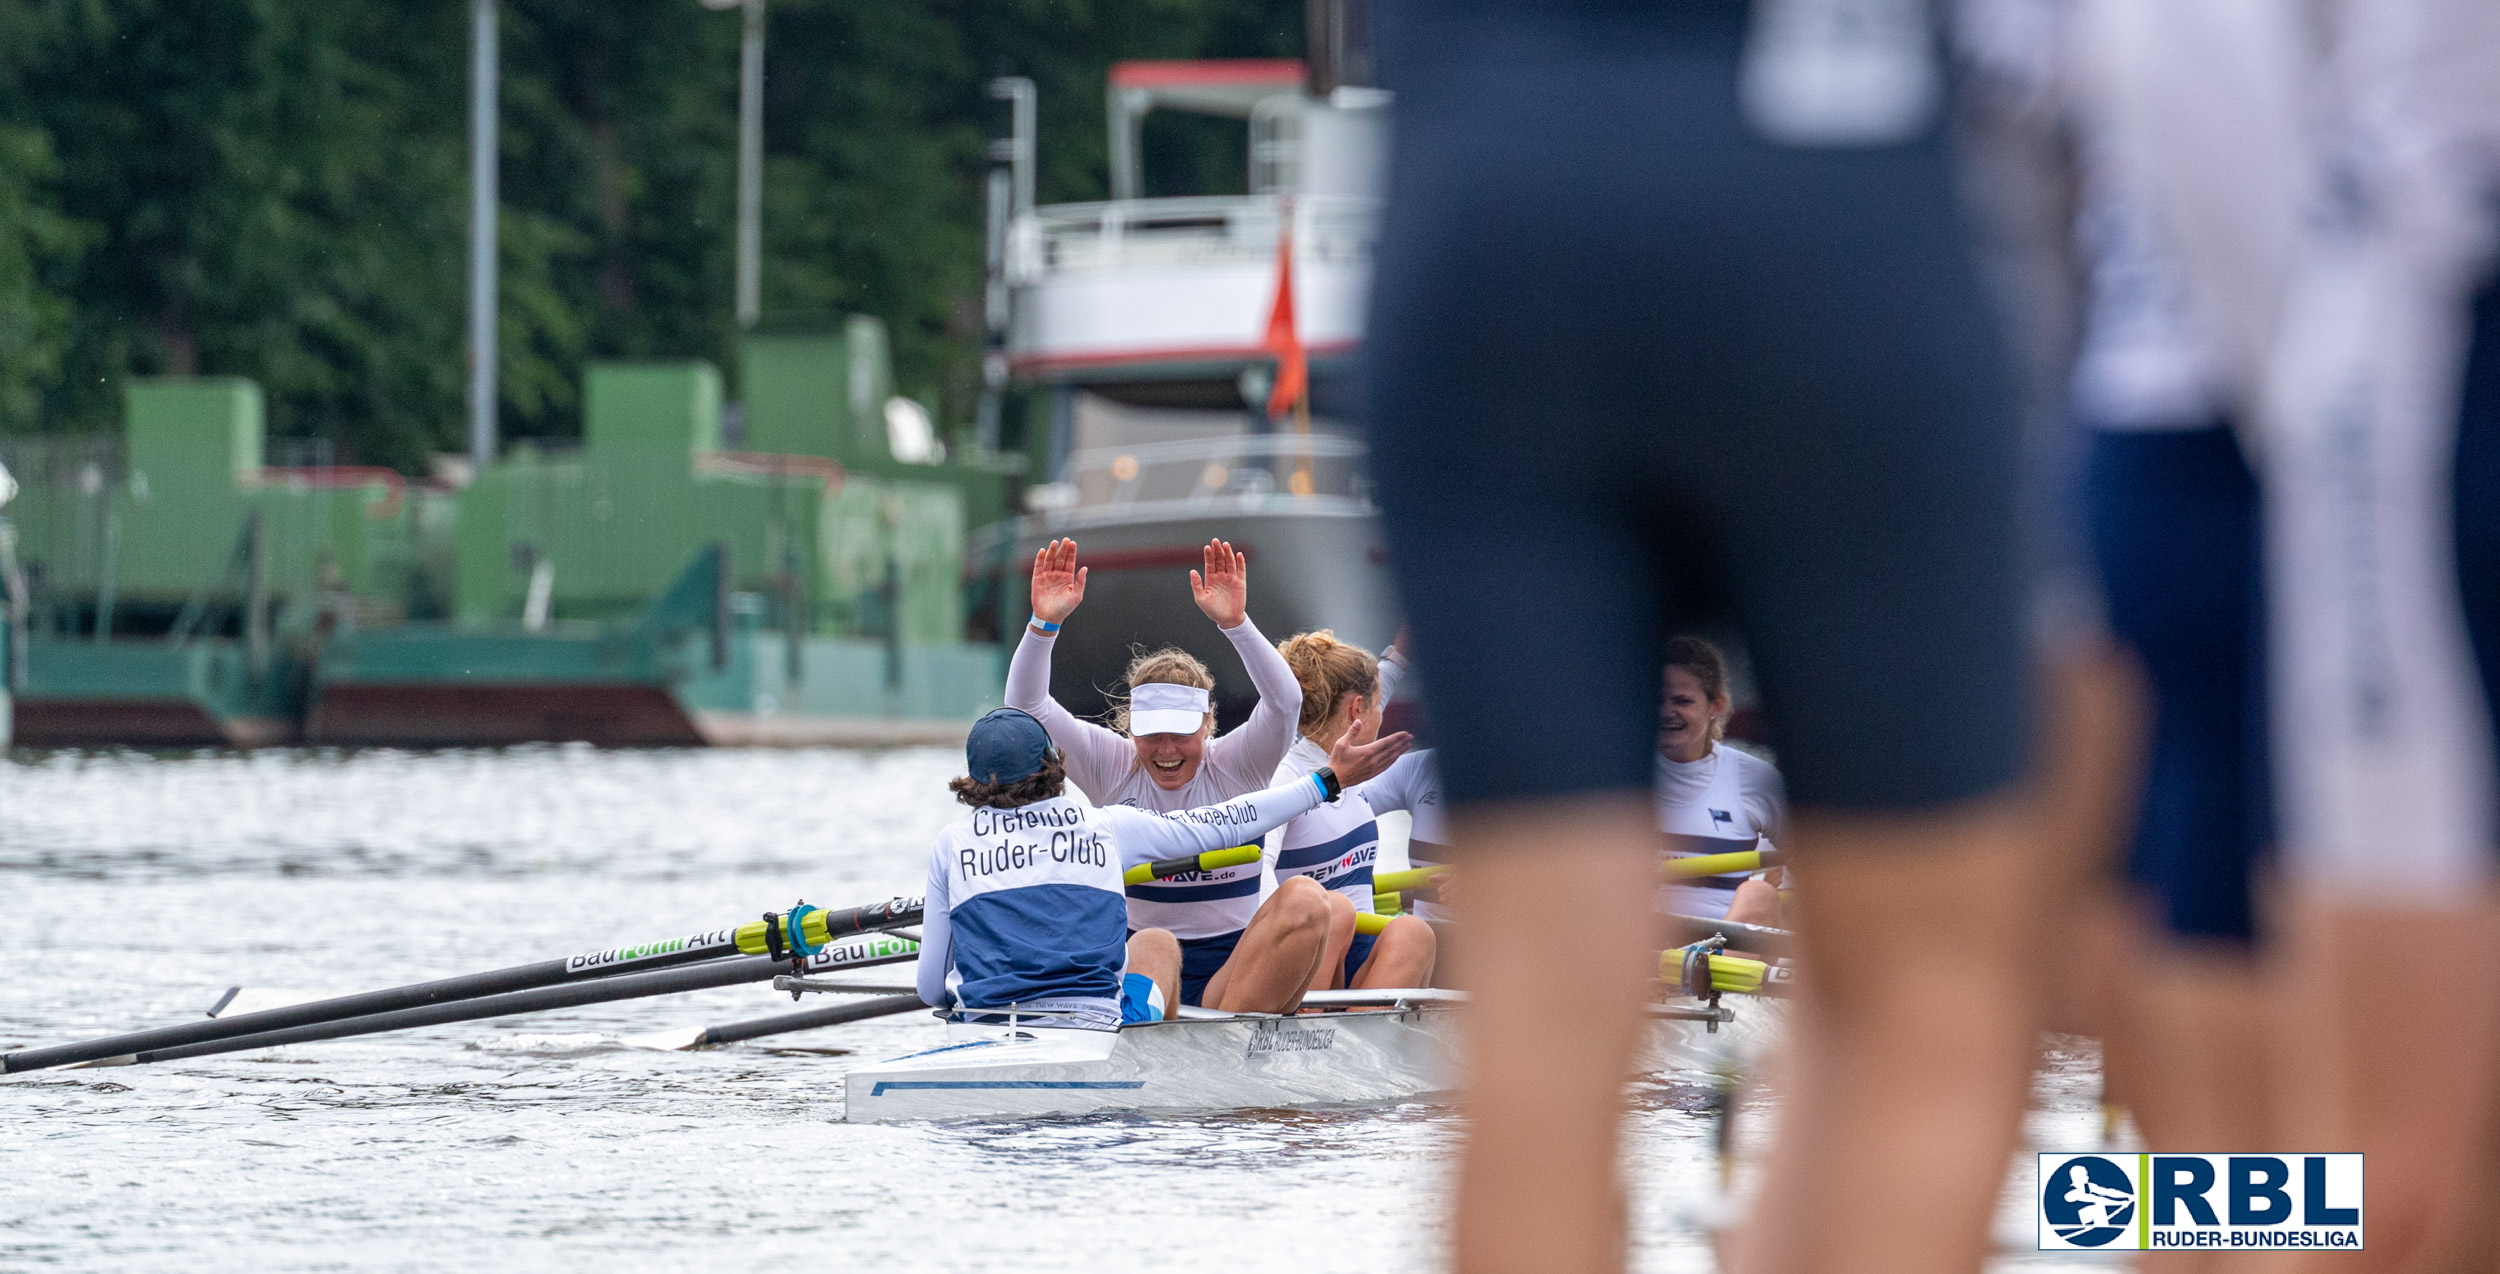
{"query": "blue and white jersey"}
(1727, 802)
(1200, 904)
(1025, 906)
(1338, 844)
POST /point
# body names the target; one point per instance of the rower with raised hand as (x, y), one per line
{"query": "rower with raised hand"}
(1024, 907)
(1338, 844)
(1236, 950)
(1713, 799)
(1163, 756)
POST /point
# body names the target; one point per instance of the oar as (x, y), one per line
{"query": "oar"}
(771, 936)
(1390, 882)
(758, 1028)
(857, 953)
(1762, 938)
(1685, 967)
(1721, 864)
(1166, 868)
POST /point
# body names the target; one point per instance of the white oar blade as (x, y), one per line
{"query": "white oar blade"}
(678, 1040)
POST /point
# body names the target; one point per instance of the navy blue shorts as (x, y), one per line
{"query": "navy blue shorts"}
(2477, 492)
(2174, 520)
(1201, 959)
(1633, 370)
(1355, 955)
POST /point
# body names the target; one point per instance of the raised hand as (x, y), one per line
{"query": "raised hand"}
(1058, 582)
(1355, 762)
(1223, 592)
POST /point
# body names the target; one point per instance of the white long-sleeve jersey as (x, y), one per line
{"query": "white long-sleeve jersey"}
(1024, 906)
(1103, 763)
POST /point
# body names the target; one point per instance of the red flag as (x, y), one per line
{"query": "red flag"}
(1284, 339)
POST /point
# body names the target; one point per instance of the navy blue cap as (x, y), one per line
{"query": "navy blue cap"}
(1005, 746)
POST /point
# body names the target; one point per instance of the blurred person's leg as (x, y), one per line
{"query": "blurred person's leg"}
(1885, 1066)
(2384, 544)
(1627, 360)
(2175, 524)
(2397, 1067)
(1538, 1189)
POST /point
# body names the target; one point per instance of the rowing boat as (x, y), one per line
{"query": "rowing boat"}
(1370, 1047)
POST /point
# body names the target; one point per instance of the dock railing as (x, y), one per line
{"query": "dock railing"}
(1199, 230)
(1211, 471)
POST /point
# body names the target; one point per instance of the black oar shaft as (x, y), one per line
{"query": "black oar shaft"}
(624, 987)
(594, 965)
(519, 977)
(1755, 938)
(808, 1020)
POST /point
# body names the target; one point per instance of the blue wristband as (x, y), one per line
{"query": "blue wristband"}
(1040, 623)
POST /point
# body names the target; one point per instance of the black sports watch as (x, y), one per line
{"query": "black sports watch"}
(1329, 788)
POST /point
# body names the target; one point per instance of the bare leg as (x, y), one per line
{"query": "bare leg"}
(1273, 963)
(2188, 1028)
(1330, 975)
(1156, 954)
(1904, 1097)
(1882, 1072)
(1537, 1184)
(1755, 903)
(2096, 717)
(2475, 1248)
(1402, 957)
(2395, 1062)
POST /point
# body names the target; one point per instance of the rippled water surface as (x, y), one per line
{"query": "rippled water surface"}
(134, 889)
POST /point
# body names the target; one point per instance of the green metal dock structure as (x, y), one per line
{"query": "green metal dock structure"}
(650, 587)
(168, 575)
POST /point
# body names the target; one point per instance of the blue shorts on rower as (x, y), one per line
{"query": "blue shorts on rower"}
(1201, 959)
(1140, 999)
(1356, 954)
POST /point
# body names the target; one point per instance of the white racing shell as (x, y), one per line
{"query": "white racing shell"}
(1232, 1061)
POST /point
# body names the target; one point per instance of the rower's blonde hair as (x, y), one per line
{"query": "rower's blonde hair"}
(1169, 666)
(1329, 670)
(1708, 667)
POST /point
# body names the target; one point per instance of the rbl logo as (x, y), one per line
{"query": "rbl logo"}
(2241, 1202)
(2088, 1202)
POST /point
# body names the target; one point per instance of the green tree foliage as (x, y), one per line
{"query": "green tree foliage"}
(277, 189)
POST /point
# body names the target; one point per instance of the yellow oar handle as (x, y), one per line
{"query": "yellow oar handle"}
(1371, 921)
(1721, 864)
(1211, 860)
(751, 934)
(817, 926)
(1390, 882)
(1727, 972)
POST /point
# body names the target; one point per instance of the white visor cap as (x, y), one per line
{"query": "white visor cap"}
(1159, 707)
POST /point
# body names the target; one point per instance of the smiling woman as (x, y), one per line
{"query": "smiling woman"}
(1161, 755)
(1166, 714)
(1712, 799)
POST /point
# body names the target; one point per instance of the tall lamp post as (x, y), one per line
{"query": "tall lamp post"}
(750, 290)
(1010, 191)
(483, 199)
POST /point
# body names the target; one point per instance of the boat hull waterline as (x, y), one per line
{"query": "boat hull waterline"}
(1221, 1062)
